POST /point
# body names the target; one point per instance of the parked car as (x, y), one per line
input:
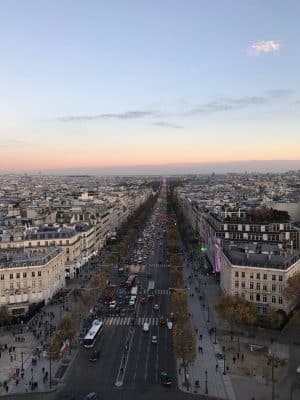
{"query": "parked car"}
(156, 307)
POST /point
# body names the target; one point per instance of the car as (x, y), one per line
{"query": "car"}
(91, 396)
(95, 356)
(156, 307)
(162, 321)
(113, 304)
(154, 339)
(165, 379)
(123, 312)
(143, 300)
(146, 327)
(170, 325)
(298, 370)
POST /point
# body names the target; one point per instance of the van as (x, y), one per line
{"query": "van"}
(146, 327)
(132, 301)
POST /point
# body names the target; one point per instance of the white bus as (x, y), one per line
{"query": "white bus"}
(91, 336)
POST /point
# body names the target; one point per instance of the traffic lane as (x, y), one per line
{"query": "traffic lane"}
(137, 344)
(86, 376)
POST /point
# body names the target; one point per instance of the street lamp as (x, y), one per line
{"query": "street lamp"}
(224, 371)
(206, 388)
(50, 372)
(22, 366)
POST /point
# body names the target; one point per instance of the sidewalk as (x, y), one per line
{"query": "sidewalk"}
(34, 338)
(216, 384)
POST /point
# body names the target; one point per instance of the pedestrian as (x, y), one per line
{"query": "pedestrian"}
(217, 367)
(179, 370)
(200, 336)
(242, 357)
(233, 360)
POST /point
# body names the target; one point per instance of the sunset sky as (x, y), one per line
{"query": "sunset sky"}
(136, 82)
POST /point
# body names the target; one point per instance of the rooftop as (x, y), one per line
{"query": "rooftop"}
(27, 258)
(259, 255)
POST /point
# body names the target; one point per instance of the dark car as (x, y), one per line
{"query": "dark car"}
(95, 356)
(91, 396)
(123, 312)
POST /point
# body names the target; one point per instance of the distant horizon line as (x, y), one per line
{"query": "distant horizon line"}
(169, 168)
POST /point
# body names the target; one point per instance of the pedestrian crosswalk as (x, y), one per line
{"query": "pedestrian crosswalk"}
(152, 321)
(156, 291)
(158, 265)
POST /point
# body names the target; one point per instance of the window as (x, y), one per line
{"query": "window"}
(273, 287)
(29, 244)
(11, 285)
(264, 310)
(33, 284)
(40, 282)
(265, 288)
(273, 299)
(18, 284)
(273, 277)
(258, 286)
(236, 284)
(236, 274)
(251, 275)
(265, 276)
(243, 274)
(264, 298)
(11, 276)
(243, 285)
(39, 273)
(2, 277)
(280, 278)
(251, 285)
(251, 297)
(24, 274)
(257, 297)
(18, 275)
(280, 300)
(33, 274)
(258, 275)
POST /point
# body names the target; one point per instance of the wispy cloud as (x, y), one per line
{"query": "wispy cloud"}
(134, 114)
(14, 143)
(229, 104)
(265, 46)
(165, 124)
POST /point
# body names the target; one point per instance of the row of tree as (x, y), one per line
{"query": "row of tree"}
(184, 340)
(71, 323)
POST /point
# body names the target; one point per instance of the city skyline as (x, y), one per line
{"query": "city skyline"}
(123, 86)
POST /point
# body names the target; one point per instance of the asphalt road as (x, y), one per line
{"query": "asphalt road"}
(144, 360)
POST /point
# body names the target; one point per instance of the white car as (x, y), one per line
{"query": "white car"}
(156, 307)
(298, 370)
(170, 325)
(113, 304)
(146, 327)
